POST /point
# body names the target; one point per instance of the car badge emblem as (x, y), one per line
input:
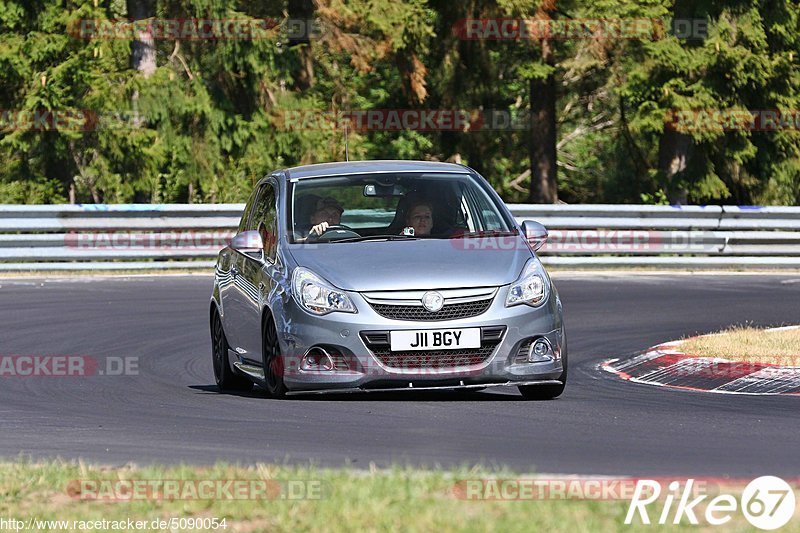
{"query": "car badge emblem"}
(432, 301)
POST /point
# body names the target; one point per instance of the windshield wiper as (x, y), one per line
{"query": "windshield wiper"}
(378, 238)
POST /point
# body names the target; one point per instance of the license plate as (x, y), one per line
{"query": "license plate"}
(435, 339)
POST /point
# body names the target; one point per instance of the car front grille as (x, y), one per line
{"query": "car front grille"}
(522, 353)
(378, 344)
(436, 359)
(340, 362)
(447, 312)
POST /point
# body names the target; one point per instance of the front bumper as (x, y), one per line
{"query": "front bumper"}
(425, 387)
(344, 334)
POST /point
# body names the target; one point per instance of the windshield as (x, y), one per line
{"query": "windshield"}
(396, 206)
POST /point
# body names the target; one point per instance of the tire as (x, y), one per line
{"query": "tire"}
(272, 361)
(547, 392)
(227, 379)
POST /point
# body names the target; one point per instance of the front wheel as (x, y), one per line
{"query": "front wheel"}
(272, 361)
(224, 375)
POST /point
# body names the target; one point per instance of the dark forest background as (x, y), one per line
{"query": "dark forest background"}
(156, 119)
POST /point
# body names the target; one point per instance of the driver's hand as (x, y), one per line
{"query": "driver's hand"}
(319, 229)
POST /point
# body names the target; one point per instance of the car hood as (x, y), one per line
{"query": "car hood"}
(416, 264)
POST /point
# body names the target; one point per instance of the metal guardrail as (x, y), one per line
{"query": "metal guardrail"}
(706, 237)
(140, 236)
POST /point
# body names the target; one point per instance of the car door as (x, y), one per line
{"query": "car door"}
(230, 290)
(254, 280)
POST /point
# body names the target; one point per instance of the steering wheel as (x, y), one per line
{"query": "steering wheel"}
(335, 232)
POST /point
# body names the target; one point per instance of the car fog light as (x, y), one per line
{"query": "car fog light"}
(540, 351)
(316, 359)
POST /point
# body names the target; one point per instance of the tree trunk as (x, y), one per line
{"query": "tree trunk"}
(143, 51)
(301, 15)
(143, 47)
(544, 182)
(673, 153)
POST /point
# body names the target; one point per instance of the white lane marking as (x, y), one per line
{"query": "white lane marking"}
(784, 328)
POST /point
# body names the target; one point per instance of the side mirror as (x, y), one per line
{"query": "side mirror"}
(250, 243)
(535, 233)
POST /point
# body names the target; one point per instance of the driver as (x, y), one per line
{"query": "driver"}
(327, 212)
(420, 216)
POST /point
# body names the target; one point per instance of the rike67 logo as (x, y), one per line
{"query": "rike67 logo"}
(767, 502)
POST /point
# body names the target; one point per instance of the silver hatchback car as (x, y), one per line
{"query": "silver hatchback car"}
(384, 275)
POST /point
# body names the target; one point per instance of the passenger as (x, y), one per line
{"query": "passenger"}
(327, 212)
(420, 217)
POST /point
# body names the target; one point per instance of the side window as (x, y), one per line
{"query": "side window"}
(265, 219)
(482, 210)
(248, 208)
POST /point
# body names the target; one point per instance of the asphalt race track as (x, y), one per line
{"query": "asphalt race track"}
(171, 411)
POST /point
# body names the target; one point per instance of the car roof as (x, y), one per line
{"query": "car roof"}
(366, 167)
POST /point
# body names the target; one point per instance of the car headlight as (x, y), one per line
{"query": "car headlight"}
(531, 288)
(317, 296)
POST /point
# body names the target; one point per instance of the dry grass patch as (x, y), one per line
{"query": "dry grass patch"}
(744, 343)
